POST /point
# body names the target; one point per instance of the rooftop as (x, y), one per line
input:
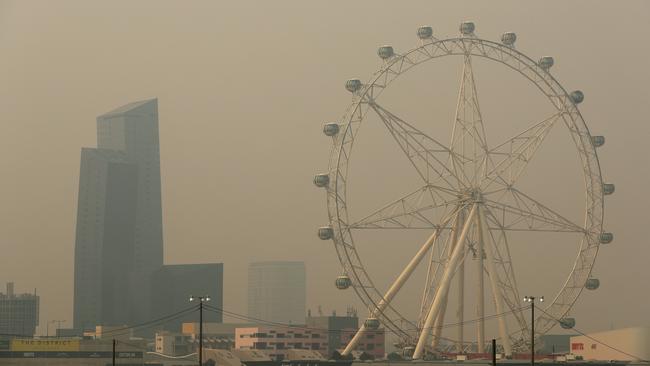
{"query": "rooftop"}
(130, 108)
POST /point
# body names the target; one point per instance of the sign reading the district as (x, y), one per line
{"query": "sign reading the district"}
(44, 345)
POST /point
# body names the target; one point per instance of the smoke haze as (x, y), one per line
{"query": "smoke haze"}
(243, 88)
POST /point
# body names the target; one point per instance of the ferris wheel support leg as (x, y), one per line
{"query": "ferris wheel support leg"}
(480, 309)
(460, 315)
(498, 301)
(440, 321)
(394, 289)
(444, 285)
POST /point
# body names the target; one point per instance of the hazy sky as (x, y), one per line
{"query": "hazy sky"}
(243, 89)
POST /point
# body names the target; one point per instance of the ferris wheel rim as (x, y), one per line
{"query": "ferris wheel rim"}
(337, 207)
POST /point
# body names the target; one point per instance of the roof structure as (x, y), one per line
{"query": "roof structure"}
(131, 108)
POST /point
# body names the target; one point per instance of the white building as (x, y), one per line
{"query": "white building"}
(277, 292)
(633, 342)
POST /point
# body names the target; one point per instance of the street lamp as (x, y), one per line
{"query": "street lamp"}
(201, 300)
(531, 300)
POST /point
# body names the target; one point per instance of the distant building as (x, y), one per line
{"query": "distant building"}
(173, 344)
(72, 352)
(276, 341)
(627, 344)
(373, 342)
(216, 330)
(553, 344)
(118, 332)
(18, 313)
(341, 329)
(172, 286)
(68, 332)
(277, 292)
(119, 240)
(335, 326)
(177, 344)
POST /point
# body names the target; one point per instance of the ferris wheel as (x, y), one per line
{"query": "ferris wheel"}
(468, 199)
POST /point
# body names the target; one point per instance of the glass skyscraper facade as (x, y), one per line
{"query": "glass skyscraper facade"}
(119, 242)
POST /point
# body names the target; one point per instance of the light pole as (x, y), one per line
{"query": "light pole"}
(531, 300)
(47, 331)
(58, 324)
(201, 300)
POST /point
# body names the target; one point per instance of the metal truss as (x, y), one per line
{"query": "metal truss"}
(469, 200)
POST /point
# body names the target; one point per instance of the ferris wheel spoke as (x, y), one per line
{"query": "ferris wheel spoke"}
(426, 154)
(468, 135)
(514, 154)
(423, 208)
(516, 211)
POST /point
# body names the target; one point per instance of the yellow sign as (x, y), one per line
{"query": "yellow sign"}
(35, 345)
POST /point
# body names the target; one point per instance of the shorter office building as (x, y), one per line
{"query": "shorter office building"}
(276, 341)
(18, 313)
(627, 344)
(172, 286)
(277, 291)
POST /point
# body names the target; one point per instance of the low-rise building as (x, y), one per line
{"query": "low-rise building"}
(215, 335)
(71, 352)
(177, 344)
(373, 341)
(335, 326)
(550, 344)
(277, 340)
(173, 344)
(119, 332)
(341, 329)
(221, 330)
(627, 344)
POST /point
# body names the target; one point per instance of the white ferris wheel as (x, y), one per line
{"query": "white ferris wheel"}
(468, 200)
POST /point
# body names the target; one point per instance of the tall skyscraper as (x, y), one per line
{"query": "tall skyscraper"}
(119, 240)
(18, 313)
(277, 291)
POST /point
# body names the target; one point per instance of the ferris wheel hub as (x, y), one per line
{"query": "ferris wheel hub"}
(471, 195)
